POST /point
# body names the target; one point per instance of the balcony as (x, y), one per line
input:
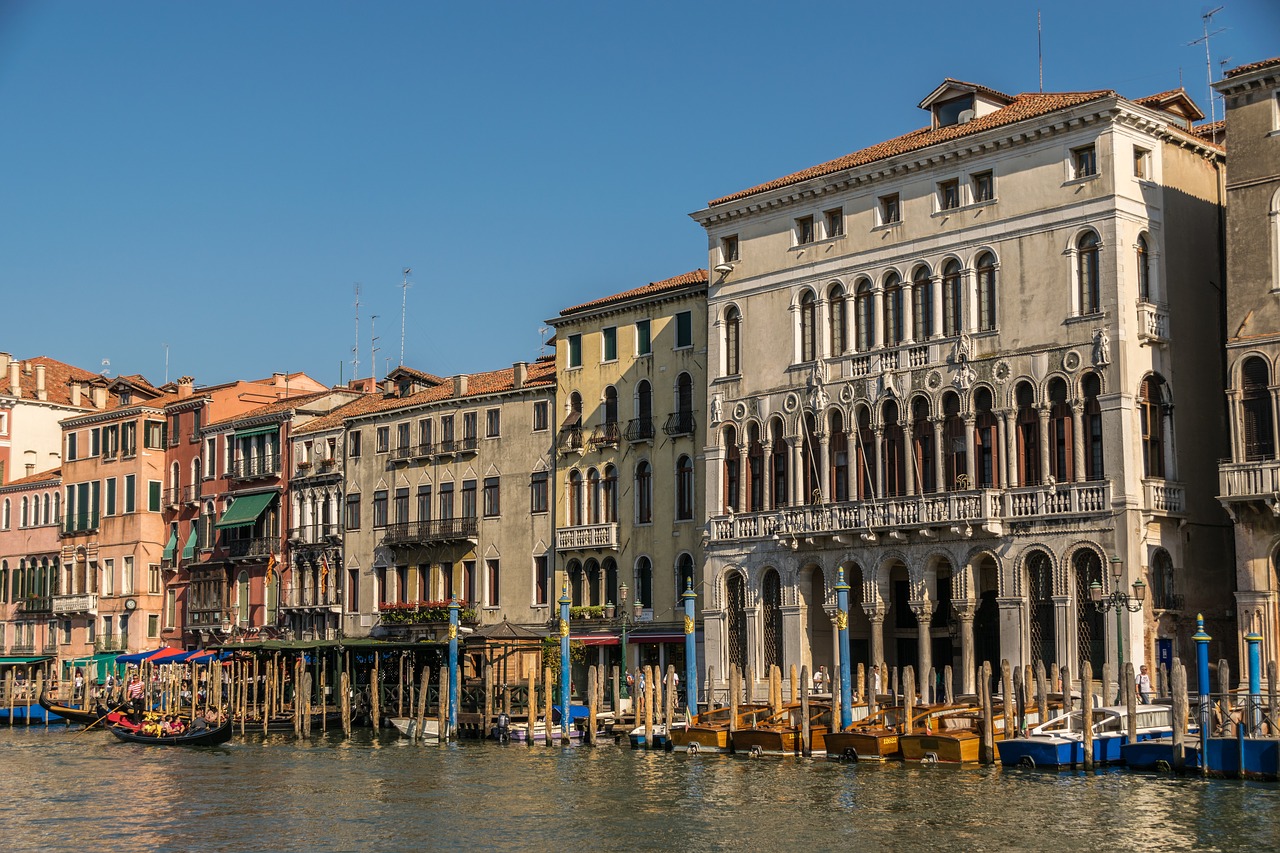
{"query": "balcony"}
(36, 604)
(173, 497)
(1256, 480)
(588, 537)
(1164, 497)
(1153, 324)
(312, 597)
(81, 522)
(314, 534)
(404, 453)
(111, 644)
(1062, 499)
(425, 450)
(257, 548)
(679, 423)
(440, 531)
(191, 494)
(254, 468)
(639, 429)
(605, 435)
(571, 439)
(65, 605)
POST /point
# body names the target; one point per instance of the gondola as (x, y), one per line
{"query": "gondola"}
(201, 737)
(72, 714)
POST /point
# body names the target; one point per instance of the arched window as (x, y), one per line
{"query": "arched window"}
(1061, 433)
(893, 331)
(1144, 270)
(573, 572)
(836, 320)
(592, 571)
(985, 436)
(839, 486)
(732, 341)
(609, 489)
(729, 495)
(1255, 401)
(242, 597)
(1040, 587)
(25, 519)
(684, 575)
(865, 308)
(1162, 594)
(611, 406)
(755, 470)
(644, 493)
(1088, 282)
(986, 291)
(4, 581)
(593, 496)
(922, 303)
(644, 582)
(771, 618)
(1028, 436)
(952, 300)
(779, 451)
(6, 519)
(810, 490)
(922, 447)
(57, 508)
(735, 594)
(609, 568)
(1087, 568)
(1091, 423)
(955, 453)
(576, 515)
(1151, 411)
(808, 326)
(684, 489)
(894, 458)
(684, 394)
(644, 407)
(273, 597)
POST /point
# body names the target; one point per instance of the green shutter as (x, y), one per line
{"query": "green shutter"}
(153, 495)
(171, 545)
(189, 550)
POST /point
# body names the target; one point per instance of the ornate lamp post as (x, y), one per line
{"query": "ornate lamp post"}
(1119, 601)
(626, 622)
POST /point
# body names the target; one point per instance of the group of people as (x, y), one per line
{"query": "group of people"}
(157, 725)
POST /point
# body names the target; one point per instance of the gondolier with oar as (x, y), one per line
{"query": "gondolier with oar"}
(136, 689)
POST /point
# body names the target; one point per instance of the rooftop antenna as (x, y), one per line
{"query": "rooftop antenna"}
(1040, 49)
(166, 363)
(1207, 17)
(542, 337)
(404, 303)
(355, 350)
(373, 345)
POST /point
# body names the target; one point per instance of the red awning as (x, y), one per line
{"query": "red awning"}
(669, 637)
(596, 639)
(160, 654)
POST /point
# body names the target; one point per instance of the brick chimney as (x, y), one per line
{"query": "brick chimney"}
(520, 372)
(41, 392)
(460, 385)
(279, 380)
(76, 391)
(98, 394)
(15, 377)
(185, 386)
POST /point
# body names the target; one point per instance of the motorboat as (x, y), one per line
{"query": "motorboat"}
(780, 733)
(709, 731)
(877, 738)
(1059, 742)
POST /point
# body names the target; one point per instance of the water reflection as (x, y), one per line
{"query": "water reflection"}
(62, 790)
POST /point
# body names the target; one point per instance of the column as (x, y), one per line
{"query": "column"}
(879, 442)
(795, 474)
(824, 465)
(1042, 415)
(923, 611)
(939, 475)
(744, 480)
(1008, 451)
(970, 450)
(964, 610)
(877, 299)
(909, 450)
(875, 614)
(908, 313)
(938, 323)
(766, 476)
(1077, 440)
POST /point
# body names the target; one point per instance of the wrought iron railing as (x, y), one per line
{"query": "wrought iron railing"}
(639, 429)
(439, 530)
(679, 423)
(258, 466)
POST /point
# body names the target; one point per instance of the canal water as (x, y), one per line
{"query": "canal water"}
(66, 791)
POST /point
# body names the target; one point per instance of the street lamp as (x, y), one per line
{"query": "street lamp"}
(625, 618)
(1118, 601)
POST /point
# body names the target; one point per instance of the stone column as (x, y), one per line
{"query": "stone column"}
(824, 466)
(909, 464)
(744, 479)
(923, 611)
(766, 476)
(908, 313)
(938, 322)
(877, 300)
(1077, 441)
(964, 611)
(1011, 630)
(875, 614)
(938, 470)
(970, 450)
(1008, 444)
(969, 297)
(879, 442)
(796, 472)
(1042, 415)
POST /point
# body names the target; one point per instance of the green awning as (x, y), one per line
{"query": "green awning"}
(10, 661)
(250, 433)
(171, 545)
(189, 550)
(245, 510)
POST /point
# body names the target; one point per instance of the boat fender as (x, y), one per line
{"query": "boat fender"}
(1026, 761)
(757, 751)
(930, 758)
(693, 749)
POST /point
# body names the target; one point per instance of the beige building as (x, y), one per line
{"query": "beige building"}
(948, 364)
(446, 493)
(631, 401)
(1249, 481)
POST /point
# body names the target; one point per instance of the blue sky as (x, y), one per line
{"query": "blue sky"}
(218, 176)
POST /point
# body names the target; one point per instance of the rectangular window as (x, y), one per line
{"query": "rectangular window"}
(153, 437)
(402, 505)
(353, 444)
(210, 457)
(424, 432)
(111, 497)
(153, 626)
(66, 632)
(729, 248)
(1084, 161)
(424, 503)
(383, 439)
(889, 209)
(126, 577)
(95, 442)
(609, 344)
(491, 569)
(446, 431)
(1141, 162)
(575, 350)
(834, 222)
(468, 498)
(644, 343)
(402, 435)
(538, 492)
(492, 423)
(353, 591)
(380, 508)
(469, 420)
(108, 577)
(130, 493)
(171, 608)
(948, 195)
(446, 501)
(153, 580)
(71, 446)
(129, 439)
(540, 580)
(804, 230)
(684, 330)
(984, 187)
(540, 409)
(492, 505)
(153, 496)
(353, 512)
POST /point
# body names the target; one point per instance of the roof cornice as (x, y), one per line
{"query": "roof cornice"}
(466, 402)
(626, 305)
(111, 415)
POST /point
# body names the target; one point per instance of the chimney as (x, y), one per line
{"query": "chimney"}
(41, 392)
(279, 380)
(520, 373)
(26, 367)
(5, 358)
(460, 385)
(75, 392)
(99, 394)
(184, 387)
(14, 378)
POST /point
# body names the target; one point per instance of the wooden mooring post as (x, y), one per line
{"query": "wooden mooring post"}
(987, 747)
(1042, 694)
(1224, 702)
(1006, 695)
(806, 734)
(1086, 697)
(908, 699)
(421, 717)
(345, 700)
(648, 707)
(669, 701)
(592, 708)
(734, 690)
(1131, 701)
(442, 707)
(1180, 714)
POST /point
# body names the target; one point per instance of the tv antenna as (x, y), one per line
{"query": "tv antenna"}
(542, 338)
(373, 346)
(1040, 49)
(166, 363)
(355, 350)
(1207, 18)
(404, 303)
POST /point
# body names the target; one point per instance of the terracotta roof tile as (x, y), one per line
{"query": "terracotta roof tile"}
(57, 381)
(272, 408)
(1022, 107)
(333, 420)
(43, 477)
(1252, 66)
(418, 374)
(1210, 130)
(540, 374)
(653, 288)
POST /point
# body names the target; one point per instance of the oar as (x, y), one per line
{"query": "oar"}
(103, 717)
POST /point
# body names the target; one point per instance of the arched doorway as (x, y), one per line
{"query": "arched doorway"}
(771, 619)
(819, 632)
(986, 620)
(1090, 636)
(735, 594)
(1040, 600)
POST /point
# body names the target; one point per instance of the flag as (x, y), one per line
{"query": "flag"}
(271, 564)
(324, 574)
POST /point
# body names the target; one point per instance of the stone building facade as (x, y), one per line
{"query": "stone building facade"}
(30, 566)
(631, 410)
(1249, 481)
(948, 365)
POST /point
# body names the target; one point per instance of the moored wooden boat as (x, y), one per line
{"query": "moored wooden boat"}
(709, 731)
(878, 737)
(192, 737)
(408, 727)
(780, 733)
(72, 714)
(950, 739)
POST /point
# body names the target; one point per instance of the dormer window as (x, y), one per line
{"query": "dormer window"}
(953, 111)
(404, 388)
(126, 397)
